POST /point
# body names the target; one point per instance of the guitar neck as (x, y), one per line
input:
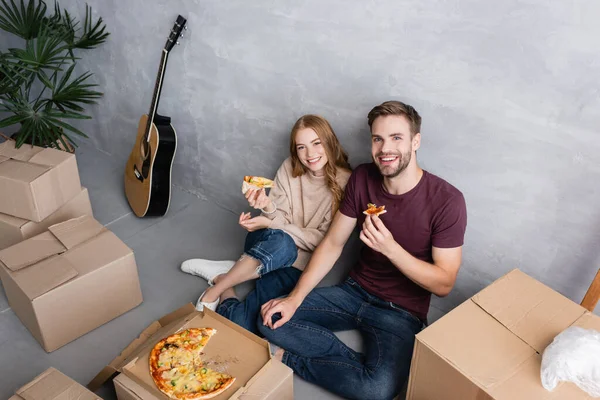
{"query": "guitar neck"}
(156, 94)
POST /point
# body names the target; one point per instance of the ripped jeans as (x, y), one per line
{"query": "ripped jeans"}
(273, 248)
(276, 251)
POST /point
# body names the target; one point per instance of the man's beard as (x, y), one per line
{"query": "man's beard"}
(389, 171)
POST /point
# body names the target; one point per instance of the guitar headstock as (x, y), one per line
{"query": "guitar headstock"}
(175, 34)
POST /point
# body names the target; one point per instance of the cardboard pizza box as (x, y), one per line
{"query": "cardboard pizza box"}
(36, 181)
(238, 352)
(53, 385)
(69, 280)
(491, 346)
(14, 229)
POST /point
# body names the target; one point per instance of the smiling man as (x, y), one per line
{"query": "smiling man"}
(410, 252)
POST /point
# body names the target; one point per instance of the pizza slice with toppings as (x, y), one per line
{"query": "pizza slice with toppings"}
(372, 209)
(256, 182)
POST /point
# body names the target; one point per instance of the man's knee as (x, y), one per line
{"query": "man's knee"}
(272, 335)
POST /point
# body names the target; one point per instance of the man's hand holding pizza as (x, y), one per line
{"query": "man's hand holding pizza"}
(375, 235)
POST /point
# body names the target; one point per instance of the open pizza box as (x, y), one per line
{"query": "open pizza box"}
(491, 346)
(53, 385)
(232, 350)
(36, 181)
(69, 280)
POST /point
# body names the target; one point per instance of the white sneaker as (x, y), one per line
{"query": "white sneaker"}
(200, 305)
(206, 269)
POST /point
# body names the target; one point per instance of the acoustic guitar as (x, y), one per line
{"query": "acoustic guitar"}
(148, 169)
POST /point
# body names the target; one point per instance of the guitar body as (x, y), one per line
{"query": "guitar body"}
(148, 169)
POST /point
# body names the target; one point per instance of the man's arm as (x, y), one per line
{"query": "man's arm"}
(438, 277)
(321, 262)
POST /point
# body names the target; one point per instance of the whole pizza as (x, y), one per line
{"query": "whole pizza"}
(178, 370)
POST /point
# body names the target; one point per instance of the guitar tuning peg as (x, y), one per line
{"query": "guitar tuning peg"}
(185, 27)
(177, 43)
(181, 35)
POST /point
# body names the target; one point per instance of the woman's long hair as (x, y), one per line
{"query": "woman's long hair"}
(336, 156)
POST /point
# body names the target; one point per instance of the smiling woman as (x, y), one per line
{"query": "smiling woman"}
(307, 191)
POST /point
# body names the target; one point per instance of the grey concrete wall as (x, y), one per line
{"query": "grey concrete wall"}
(508, 91)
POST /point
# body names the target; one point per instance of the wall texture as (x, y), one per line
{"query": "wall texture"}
(508, 91)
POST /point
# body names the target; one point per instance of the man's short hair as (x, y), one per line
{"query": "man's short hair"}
(394, 107)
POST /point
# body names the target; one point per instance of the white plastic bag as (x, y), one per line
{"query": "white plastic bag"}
(573, 356)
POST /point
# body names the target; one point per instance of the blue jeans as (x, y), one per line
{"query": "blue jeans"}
(271, 286)
(318, 356)
(273, 248)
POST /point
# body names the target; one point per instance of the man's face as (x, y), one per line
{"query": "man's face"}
(391, 144)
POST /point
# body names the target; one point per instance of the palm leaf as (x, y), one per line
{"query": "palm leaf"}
(72, 95)
(46, 51)
(94, 34)
(23, 21)
(66, 126)
(12, 75)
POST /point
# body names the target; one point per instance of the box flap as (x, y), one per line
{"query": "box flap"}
(21, 171)
(588, 321)
(127, 389)
(528, 308)
(76, 230)
(2, 159)
(476, 344)
(265, 382)
(50, 157)
(526, 384)
(44, 276)
(30, 251)
(8, 149)
(54, 385)
(13, 221)
(116, 364)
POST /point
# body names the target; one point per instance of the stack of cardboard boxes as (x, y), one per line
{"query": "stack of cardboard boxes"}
(65, 274)
(57, 263)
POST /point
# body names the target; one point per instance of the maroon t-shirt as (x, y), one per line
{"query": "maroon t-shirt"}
(433, 213)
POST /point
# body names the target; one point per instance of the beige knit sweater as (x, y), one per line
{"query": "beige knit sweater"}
(303, 208)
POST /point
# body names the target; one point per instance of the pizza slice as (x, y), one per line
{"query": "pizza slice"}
(256, 182)
(372, 209)
(178, 370)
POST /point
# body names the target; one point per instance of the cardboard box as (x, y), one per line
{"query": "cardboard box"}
(53, 385)
(239, 352)
(491, 346)
(14, 230)
(36, 181)
(69, 280)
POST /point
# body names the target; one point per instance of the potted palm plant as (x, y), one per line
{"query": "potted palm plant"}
(40, 89)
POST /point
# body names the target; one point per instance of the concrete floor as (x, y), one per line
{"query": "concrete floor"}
(192, 228)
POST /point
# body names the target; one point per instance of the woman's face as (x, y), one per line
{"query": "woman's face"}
(311, 151)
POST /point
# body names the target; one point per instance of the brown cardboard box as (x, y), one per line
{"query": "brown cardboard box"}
(491, 346)
(14, 230)
(69, 280)
(53, 385)
(243, 354)
(34, 181)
